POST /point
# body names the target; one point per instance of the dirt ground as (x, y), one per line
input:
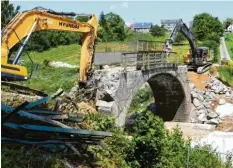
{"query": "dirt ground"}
(199, 80)
(226, 125)
(191, 130)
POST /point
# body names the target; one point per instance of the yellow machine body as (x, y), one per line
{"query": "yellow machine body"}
(20, 26)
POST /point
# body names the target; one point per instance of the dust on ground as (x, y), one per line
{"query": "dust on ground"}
(226, 125)
(199, 80)
(191, 130)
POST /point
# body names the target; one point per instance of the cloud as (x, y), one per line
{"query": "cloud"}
(195, 12)
(125, 5)
(112, 7)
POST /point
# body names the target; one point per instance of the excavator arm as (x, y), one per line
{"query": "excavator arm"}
(181, 27)
(198, 59)
(24, 24)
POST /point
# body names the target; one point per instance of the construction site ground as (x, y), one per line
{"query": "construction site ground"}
(199, 131)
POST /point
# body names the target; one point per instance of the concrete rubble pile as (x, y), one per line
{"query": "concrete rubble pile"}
(205, 103)
(107, 87)
(220, 141)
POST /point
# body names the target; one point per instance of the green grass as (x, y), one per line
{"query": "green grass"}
(129, 44)
(114, 47)
(133, 37)
(218, 57)
(25, 157)
(141, 100)
(229, 44)
(181, 51)
(50, 79)
(226, 74)
(67, 53)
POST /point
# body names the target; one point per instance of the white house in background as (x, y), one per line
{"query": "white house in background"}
(168, 24)
(142, 27)
(230, 28)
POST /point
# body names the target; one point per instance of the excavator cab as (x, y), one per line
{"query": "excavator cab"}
(203, 52)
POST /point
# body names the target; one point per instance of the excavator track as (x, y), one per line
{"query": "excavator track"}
(203, 69)
(22, 89)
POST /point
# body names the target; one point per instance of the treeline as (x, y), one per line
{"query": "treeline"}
(43, 40)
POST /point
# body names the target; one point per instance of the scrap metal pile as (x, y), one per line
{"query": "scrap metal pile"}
(29, 124)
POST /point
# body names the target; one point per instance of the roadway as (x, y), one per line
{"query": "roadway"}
(223, 50)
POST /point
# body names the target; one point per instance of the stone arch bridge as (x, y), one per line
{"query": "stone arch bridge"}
(167, 81)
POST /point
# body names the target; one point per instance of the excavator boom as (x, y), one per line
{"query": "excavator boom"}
(197, 55)
(24, 24)
(181, 27)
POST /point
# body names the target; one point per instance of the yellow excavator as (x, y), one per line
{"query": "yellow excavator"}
(24, 24)
(197, 58)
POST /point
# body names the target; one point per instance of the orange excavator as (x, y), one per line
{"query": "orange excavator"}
(24, 24)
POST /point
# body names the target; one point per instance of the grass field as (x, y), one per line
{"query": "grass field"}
(68, 53)
(50, 79)
(226, 74)
(229, 44)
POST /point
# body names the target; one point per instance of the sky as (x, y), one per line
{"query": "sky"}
(138, 11)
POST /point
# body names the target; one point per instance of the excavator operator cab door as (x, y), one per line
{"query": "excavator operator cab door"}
(203, 54)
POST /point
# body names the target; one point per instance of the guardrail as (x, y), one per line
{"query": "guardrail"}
(144, 55)
(147, 60)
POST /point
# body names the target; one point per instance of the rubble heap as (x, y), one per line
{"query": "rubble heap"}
(204, 102)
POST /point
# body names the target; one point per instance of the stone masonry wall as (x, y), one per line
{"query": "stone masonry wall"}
(116, 90)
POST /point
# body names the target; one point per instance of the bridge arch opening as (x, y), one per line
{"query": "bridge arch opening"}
(163, 95)
(169, 96)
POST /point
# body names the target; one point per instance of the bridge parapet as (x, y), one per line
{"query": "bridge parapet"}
(147, 60)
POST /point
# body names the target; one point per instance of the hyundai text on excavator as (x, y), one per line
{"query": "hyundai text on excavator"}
(197, 58)
(25, 23)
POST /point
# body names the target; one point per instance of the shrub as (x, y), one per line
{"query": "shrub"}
(24, 157)
(226, 73)
(157, 31)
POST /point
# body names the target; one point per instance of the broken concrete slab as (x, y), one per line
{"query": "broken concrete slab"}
(225, 110)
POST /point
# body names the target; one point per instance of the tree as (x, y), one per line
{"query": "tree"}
(7, 12)
(157, 31)
(179, 38)
(208, 29)
(111, 27)
(82, 18)
(227, 22)
(102, 20)
(205, 24)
